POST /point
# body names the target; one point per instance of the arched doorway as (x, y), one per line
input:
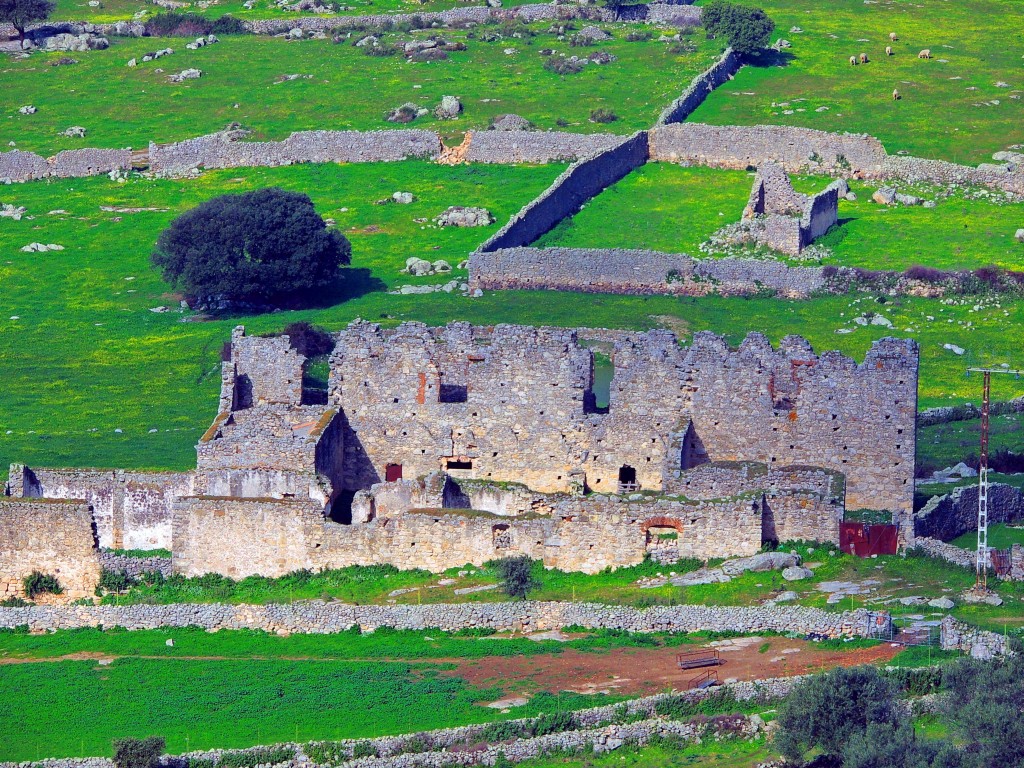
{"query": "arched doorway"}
(662, 535)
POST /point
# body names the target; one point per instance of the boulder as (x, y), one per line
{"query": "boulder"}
(185, 74)
(75, 132)
(594, 33)
(295, 33)
(908, 199)
(420, 267)
(405, 113)
(842, 187)
(28, 109)
(884, 196)
(796, 573)
(941, 602)
(449, 108)
(460, 216)
(404, 198)
(763, 561)
(514, 123)
(1019, 236)
(787, 596)
(441, 266)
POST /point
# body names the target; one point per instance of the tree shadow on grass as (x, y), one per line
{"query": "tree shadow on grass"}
(768, 57)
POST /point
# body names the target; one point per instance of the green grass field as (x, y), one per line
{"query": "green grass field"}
(1000, 536)
(665, 207)
(947, 110)
(945, 444)
(199, 704)
(121, 106)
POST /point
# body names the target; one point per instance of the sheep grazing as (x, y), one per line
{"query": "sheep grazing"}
(853, 61)
(888, 50)
(863, 58)
(893, 36)
(896, 95)
(925, 54)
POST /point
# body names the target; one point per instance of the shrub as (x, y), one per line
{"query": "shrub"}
(639, 36)
(563, 66)
(682, 47)
(256, 756)
(20, 13)
(516, 574)
(178, 24)
(266, 245)
(746, 29)
(14, 602)
(826, 711)
(309, 340)
(603, 115)
(228, 25)
(138, 753)
(116, 581)
(38, 583)
(926, 274)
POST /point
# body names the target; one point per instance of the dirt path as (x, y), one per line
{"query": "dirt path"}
(644, 671)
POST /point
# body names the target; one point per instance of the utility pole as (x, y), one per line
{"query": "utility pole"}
(981, 566)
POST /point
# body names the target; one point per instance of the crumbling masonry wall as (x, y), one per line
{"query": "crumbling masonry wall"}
(54, 537)
(131, 510)
(782, 218)
(521, 415)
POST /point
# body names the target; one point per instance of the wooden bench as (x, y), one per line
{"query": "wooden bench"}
(705, 657)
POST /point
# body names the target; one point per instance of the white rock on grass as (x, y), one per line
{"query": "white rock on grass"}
(41, 247)
(28, 109)
(185, 74)
(404, 198)
(460, 216)
(954, 349)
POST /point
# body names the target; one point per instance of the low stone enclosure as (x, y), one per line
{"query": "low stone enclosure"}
(439, 447)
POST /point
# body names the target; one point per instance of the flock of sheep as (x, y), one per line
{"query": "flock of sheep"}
(926, 53)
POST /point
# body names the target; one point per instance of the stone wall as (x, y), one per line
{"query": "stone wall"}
(978, 643)
(701, 86)
(224, 150)
(131, 510)
(741, 147)
(946, 517)
(521, 413)
(913, 169)
(315, 617)
(135, 566)
(536, 146)
(580, 182)
(54, 537)
(16, 165)
(620, 270)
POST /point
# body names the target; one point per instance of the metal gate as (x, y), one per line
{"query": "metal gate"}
(865, 540)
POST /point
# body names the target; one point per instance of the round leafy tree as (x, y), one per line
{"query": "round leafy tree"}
(746, 29)
(20, 13)
(266, 246)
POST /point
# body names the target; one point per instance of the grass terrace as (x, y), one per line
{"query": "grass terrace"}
(339, 87)
(665, 207)
(961, 105)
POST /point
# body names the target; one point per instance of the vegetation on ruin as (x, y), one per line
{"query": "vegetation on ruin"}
(38, 583)
(264, 246)
(953, 107)
(338, 87)
(645, 209)
(515, 575)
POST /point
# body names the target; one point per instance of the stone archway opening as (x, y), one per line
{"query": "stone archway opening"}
(663, 536)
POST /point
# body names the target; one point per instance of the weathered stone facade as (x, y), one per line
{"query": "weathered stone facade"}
(439, 447)
(131, 510)
(51, 536)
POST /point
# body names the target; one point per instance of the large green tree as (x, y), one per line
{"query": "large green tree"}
(746, 29)
(21, 13)
(266, 246)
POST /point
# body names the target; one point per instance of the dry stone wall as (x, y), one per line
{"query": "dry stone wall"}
(16, 165)
(131, 510)
(580, 182)
(536, 146)
(51, 536)
(701, 86)
(315, 617)
(946, 517)
(222, 150)
(628, 271)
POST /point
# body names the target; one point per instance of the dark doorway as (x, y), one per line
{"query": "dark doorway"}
(627, 479)
(341, 509)
(457, 464)
(392, 472)
(453, 393)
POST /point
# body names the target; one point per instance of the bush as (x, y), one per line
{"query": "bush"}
(826, 711)
(116, 581)
(138, 753)
(639, 36)
(38, 583)
(266, 245)
(256, 756)
(516, 575)
(14, 602)
(746, 29)
(309, 340)
(178, 24)
(603, 115)
(562, 66)
(228, 25)
(20, 13)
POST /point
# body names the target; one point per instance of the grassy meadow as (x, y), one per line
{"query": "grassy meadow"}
(669, 208)
(952, 108)
(340, 88)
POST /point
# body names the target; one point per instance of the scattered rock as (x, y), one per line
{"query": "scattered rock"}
(763, 561)
(185, 74)
(787, 596)
(41, 247)
(512, 123)
(595, 34)
(796, 573)
(74, 132)
(908, 199)
(404, 198)
(460, 216)
(884, 196)
(954, 349)
(1019, 236)
(28, 109)
(405, 113)
(449, 108)
(9, 211)
(941, 602)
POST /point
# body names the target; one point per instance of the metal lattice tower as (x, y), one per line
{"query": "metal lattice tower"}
(981, 564)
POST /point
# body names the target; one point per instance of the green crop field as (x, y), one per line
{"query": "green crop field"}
(339, 88)
(665, 207)
(953, 107)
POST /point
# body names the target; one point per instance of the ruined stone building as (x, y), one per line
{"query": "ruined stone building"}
(438, 447)
(784, 219)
